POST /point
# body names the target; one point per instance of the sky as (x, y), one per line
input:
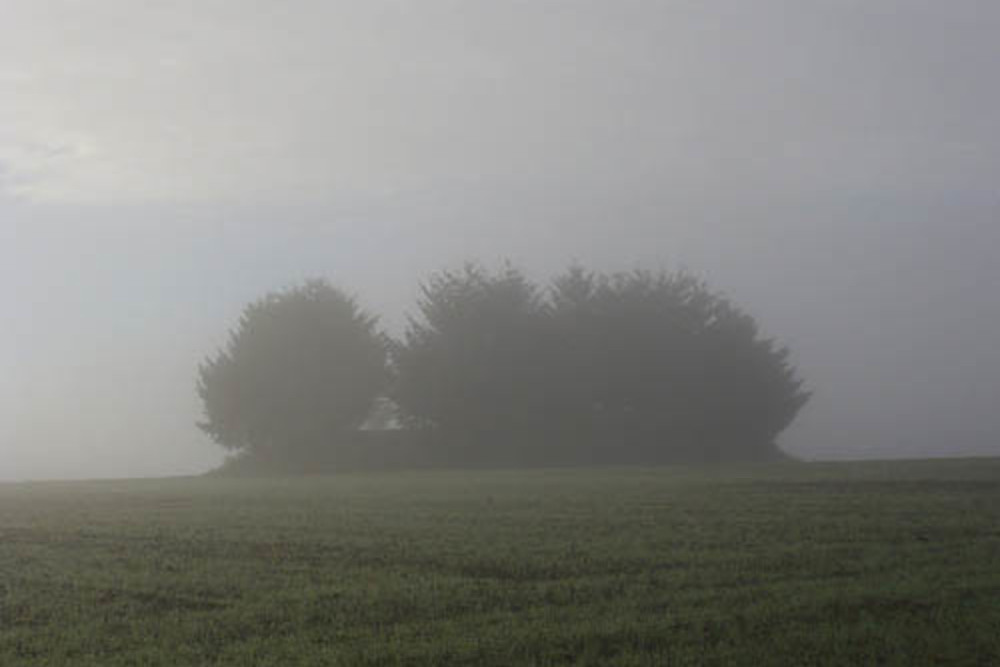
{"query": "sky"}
(833, 166)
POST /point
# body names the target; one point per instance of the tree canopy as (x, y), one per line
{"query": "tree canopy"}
(657, 366)
(632, 367)
(302, 366)
(473, 360)
(637, 367)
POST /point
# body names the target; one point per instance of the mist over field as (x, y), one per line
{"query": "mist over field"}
(832, 167)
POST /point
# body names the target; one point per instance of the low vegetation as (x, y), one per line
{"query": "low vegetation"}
(873, 563)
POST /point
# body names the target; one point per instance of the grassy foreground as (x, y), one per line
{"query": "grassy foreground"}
(872, 563)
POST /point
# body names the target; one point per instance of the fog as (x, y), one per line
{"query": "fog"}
(832, 166)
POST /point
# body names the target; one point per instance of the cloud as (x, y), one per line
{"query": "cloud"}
(316, 101)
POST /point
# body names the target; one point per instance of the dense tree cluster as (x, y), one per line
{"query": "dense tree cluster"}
(637, 367)
(634, 367)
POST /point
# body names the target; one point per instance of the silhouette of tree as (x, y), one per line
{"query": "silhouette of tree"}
(302, 367)
(634, 367)
(472, 362)
(659, 367)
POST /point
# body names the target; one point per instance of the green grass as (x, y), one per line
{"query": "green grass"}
(867, 563)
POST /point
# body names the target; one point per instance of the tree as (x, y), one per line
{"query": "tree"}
(471, 364)
(301, 368)
(666, 369)
(636, 367)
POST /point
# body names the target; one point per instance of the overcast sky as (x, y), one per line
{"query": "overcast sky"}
(832, 165)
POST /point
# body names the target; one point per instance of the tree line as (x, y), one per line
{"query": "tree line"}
(636, 367)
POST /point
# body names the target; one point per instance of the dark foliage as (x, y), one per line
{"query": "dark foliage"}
(473, 363)
(652, 367)
(637, 367)
(631, 368)
(301, 368)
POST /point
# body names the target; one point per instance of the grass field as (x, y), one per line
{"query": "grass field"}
(867, 563)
